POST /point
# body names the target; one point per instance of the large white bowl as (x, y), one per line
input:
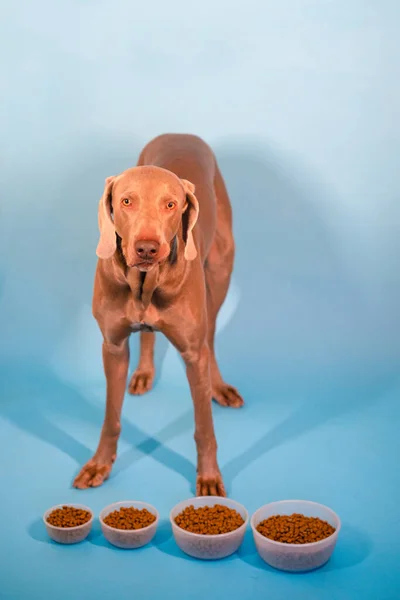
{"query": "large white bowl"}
(68, 535)
(208, 547)
(295, 557)
(128, 538)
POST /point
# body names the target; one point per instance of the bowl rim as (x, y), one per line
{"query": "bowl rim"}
(209, 536)
(334, 535)
(74, 505)
(120, 504)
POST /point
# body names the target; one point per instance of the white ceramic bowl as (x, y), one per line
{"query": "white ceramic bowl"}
(208, 547)
(128, 538)
(68, 535)
(295, 557)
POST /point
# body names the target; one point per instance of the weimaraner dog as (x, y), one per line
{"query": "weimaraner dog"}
(166, 254)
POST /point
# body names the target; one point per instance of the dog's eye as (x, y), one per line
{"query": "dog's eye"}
(171, 205)
(126, 202)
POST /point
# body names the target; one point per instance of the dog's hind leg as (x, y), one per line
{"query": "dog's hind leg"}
(218, 270)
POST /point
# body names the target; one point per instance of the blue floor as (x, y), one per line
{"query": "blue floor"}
(299, 101)
(335, 441)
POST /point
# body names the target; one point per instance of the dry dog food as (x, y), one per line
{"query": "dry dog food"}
(209, 520)
(129, 518)
(295, 529)
(68, 516)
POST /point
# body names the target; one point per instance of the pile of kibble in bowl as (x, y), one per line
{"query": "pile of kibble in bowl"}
(209, 520)
(68, 516)
(295, 529)
(129, 518)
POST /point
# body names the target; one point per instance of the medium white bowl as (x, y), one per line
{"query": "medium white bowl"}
(68, 535)
(128, 538)
(208, 547)
(295, 557)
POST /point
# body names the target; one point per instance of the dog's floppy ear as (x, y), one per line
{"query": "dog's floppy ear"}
(107, 242)
(191, 212)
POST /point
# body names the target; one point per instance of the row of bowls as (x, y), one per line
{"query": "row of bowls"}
(287, 557)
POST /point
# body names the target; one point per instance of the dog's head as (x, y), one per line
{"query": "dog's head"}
(145, 207)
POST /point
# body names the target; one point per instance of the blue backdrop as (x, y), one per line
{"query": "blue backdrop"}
(300, 101)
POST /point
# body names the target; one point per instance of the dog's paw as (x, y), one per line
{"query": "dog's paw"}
(141, 382)
(227, 395)
(209, 483)
(93, 474)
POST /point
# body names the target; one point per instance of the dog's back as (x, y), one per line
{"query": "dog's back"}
(189, 157)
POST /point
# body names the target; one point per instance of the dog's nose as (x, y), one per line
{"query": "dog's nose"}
(147, 249)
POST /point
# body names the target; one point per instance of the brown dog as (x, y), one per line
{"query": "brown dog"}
(166, 258)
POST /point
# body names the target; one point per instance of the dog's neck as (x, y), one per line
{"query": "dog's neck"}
(163, 282)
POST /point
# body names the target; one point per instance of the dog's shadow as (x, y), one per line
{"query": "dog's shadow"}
(38, 402)
(298, 297)
(302, 316)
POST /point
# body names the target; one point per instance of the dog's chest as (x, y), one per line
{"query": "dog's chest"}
(143, 303)
(143, 319)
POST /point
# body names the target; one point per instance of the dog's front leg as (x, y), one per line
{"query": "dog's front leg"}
(209, 480)
(116, 363)
(196, 357)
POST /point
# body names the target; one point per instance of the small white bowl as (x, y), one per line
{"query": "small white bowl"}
(68, 535)
(128, 538)
(208, 547)
(295, 557)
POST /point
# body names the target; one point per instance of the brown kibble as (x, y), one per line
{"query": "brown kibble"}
(129, 518)
(68, 516)
(295, 529)
(209, 520)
